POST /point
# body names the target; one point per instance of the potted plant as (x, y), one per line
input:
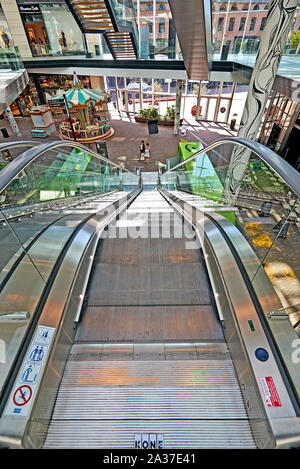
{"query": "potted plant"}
(195, 92)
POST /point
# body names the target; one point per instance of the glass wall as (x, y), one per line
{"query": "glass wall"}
(237, 29)
(206, 100)
(52, 30)
(157, 35)
(9, 54)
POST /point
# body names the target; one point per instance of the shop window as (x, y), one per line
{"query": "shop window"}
(162, 7)
(161, 26)
(252, 24)
(256, 7)
(220, 24)
(263, 22)
(242, 24)
(53, 31)
(234, 7)
(231, 24)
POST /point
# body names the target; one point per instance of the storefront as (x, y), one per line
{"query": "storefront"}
(51, 29)
(5, 36)
(42, 88)
(27, 99)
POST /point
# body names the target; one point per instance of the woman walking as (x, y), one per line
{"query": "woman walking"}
(147, 153)
(142, 150)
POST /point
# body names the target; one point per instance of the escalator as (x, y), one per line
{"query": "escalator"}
(149, 356)
(138, 322)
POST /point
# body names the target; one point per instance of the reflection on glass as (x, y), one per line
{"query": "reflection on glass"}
(52, 30)
(9, 54)
(267, 212)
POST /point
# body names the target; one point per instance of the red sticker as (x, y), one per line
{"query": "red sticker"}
(270, 392)
(22, 395)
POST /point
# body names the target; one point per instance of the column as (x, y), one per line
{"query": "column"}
(12, 122)
(273, 40)
(38, 88)
(177, 107)
(15, 24)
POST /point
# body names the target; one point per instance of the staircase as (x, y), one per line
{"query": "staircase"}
(98, 17)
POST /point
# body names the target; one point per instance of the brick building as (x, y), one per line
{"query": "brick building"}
(240, 24)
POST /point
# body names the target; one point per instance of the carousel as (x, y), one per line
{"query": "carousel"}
(85, 107)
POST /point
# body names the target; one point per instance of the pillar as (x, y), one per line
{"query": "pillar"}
(177, 107)
(12, 122)
(273, 41)
(15, 24)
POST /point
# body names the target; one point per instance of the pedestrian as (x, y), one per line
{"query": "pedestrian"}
(142, 150)
(5, 39)
(147, 153)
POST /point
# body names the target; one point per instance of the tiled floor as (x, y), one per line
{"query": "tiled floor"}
(128, 134)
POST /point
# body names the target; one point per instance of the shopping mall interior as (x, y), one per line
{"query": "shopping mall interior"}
(149, 224)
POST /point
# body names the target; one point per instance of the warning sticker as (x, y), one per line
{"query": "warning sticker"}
(22, 395)
(269, 391)
(30, 373)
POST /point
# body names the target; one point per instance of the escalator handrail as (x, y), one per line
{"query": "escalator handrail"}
(21, 162)
(275, 162)
(18, 143)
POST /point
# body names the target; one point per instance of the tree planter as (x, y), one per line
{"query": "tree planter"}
(145, 120)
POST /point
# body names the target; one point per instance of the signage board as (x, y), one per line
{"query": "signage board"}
(31, 9)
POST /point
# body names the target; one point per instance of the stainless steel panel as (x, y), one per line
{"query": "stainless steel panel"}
(120, 434)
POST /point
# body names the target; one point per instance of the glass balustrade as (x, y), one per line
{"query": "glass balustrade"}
(40, 209)
(266, 210)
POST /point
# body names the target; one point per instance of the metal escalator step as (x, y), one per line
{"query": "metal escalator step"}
(147, 251)
(148, 323)
(193, 403)
(153, 284)
(121, 434)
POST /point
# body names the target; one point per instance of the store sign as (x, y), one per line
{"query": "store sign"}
(56, 102)
(29, 9)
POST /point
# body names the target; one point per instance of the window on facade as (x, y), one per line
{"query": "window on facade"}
(161, 25)
(150, 26)
(256, 7)
(263, 22)
(162, 7)
(266, 7)
(223, 7)
(234, 7)
(242, 24)
(245, 7)
(220, 24)
(149, 7)
(231, 24)
(252, 24)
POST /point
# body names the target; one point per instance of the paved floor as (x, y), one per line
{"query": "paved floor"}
(128, 134)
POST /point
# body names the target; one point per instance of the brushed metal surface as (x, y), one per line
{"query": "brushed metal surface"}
(195, 403)
(120, 434)
(193, 30)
